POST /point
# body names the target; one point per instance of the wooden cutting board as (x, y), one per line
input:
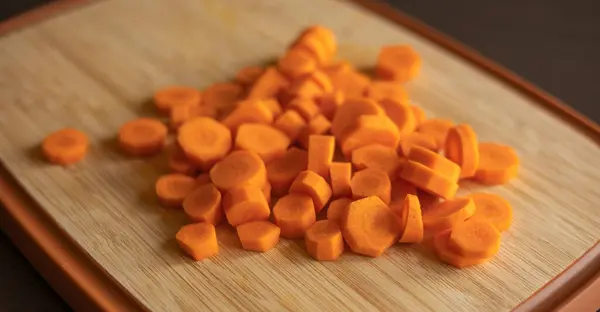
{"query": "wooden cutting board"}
(94, 68)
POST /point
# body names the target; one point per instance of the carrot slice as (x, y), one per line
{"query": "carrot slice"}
(400, 63)
(412, 221)
(307, 108)
(169, 97)
(447, 254)
(324, 241)
(317, 126)
(268, 85)
(310, 183)
(387, 90)
(142, 136)
(377, 156)
(371, 182)
(203, 204)
(302, 88)
(340, 174)
(248, 75)
(274, 106)
(428, 180)
(291, 123)
(320, 154)
(65, 146)
(401, 188)
(203, 178)
(198, 240)
(475, 239)
(462, 148)
(297, 63)
(370, 227)
(173, 188)
(322, 80)
(258, 235)
(222, 96)
(348, 113)
(401, 115)
(266, 141)
(427, 199)
(337, 67)
(418, 113)
(337, 208)
(437, 128)
(282, 171)
(239, 168)
(407, 142)
(497, 164)
(352, 83)
(245, 204)
(183, 113)
(493, 208)
(435, 162)
(254, 111)
(445, 215)
(204, 141)
(294, 214)
(179, 163)
(266, 190)
(370, 129)
(329, 103)
(324, 35)
(314, 46)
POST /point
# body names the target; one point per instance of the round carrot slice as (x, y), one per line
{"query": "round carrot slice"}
(173, 188)
(407, 142)
(320, 78)
(65, 146)
(248, 75)
(370, 226)
(203, 178)
(445, 215)
(382, 91)
(297, 63)
(352, 83)
(222, 96)
(315, 47)
(307, 108)
(329, 103)
(179, 163)
(167, 98)
(348, 113)
(493, 208)
(237, 169)
(142, 136)
(204, 141)
(462, 148)
(377, 156)
(412, 221)
(337, 208)
(310, 183)
(401, 115)
(266, 141)
(371, 182)
(199, 240)
(400, 63)
(447, 254)
(418, 113)
(245, 204)
(258, 235)
(282, 171)
(248, 111)
(294, 214)
(324, 35)
(475, 238)
(428, 180)
(291, 123)
(437, 128)
(370, 129)
(497, 164)
(435, 162)
(203, 204)
(401, 188)
(324, 241)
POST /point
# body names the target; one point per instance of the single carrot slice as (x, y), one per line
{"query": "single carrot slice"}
(377, 156)
(400, 63)
(446, 253)
(248, 75)
(437, 128)
(401, 115)
(294, 214)
(222, 96)
(321, 79)
(320, 154)
(337, 67)
(282, 171)
(203, 178)
(169, 97)
(324, 35)
(198, 240)
(462, 148)
(348, 113)
(203, 204)
(258, 235)
(418, 113)
(401, 188)
(370, 129)
(274, 106)
(297, 63)
(266, 190)
(317, 126)
(435, 162)
(268, 85)
(315, 47)
(239, 168)
(266, 141)
(307, 108)
(324, 241)
(427, 200)
(352, 83)
(371, 182)
(173, 188)
(182, 113)
(179, 163)
(428, 180)
(142, 136)
(497, 164)
(370, 227)
(445, 215)
(303, 88)
(245, 204)
(204, 141)
(337, 208)
(329, 103)
(291, 123)
(254, 111)
(475, 238)
(310, 183)
(387, 90)
(493, 208)
(65, 146)
(412, 221)
(340, 174)
(407, 142)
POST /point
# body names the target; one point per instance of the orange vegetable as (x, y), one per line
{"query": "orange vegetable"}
(377, 156)
(400, 63)
(248, 75)
(320, 154)
(437, 128)
(203, 204)
(294, 214)
(407, 142)
(323, 35)
(497, 164)
(411, 220)
(371, 182)
(282, 171)
(427, 199)
(475, 238)
(329, 103)
(245, 204)
(322, 80)
(266, 190)
(317, 126)
(240, 168)
(370, 129)
(418, 113)
(274, 106)
(462, 148)
(347, 114)
(447, 254)
(142, 136)
(401, 188)
(324, 241)
(179, 163)
(254, 111)
(297, 63)
(182, 113)
(493, 208)
(173, 188)
(268, 85)
(435, 162)
(401, 115)
(66, 146)
(307, 108)
(337, 208)
(167, 98)
(202, 179)
(387, 90)
(204, 141)
(428, 180)
(446, 214)
(352, 83)
(266, 141)
(337, 67)
(340, 174)
(291, 123)
(222, 96)
(310, 183)
(198, 240)
(258, 235)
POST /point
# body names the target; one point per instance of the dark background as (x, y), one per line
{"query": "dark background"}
(553, 43)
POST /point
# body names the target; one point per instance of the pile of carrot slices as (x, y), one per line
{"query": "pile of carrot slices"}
(311, 148)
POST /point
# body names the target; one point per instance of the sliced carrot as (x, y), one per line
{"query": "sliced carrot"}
(282, 171)
(446, 253)
(179, 163)
(304, 88)
(412, 221)
(258, 235)
(274, 106)
(377, 156)
(310, 183)
(428, 180)
(222, 96)
(401, 188)
(204, 141)
(297, 63)
(182, 113)
(203, 178)
(291, 123)
(254, 111)
(437, 128)
(329, 103)
(266, 190)
(317, 126)
(237, 169)
(324, 241)
(248, 75)
(198, 240)
(401, 115)
(245, 204)
(493, 208)
(173, 188)
(294, 214)
(348, 113)
(315, 46)
(66, 146)
(352, 83)
(266, 141)
(427, 199)
(337, 67)
(268, 85)
(475, 238)
(370, 227)
(387, 90)
(340, 174)
(322, 80)
(400, 63)
(320, 154)
(445, 215)
(435, 162)
(324, 35)
(370, 129)
(407, 142)
(497, 164)
(307, 108)
(462, 148)
(203, 204)
(169, 97)
(371, 182)
(418, 113)
(142, 136)
(337, 208)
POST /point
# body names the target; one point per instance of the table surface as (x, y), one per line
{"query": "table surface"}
(550, 43)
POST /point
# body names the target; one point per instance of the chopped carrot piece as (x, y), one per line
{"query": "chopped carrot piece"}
(248, 75)
(66, 146)
(407, 142)
(314, 46)
(303, 88)
(475, 238)
(240, 168)
(291, 123)
(337, 208)
(377, 156)
(497, 164)
(245, 204)
(294, 214)
(266, 141)
(307, 108)
(340, 174)
(266, 190)
(348, 113)
(204, 141)
(324, 35)
(222, 96)
(437, 128)
(412, 221)
(198, 240)
(173, 188)
(462, 148)
(401, 188)
(419, 114)
(371, 182)
(435, 162)
(387, 90)
(179, 163)
(274, 106)
(370, 227)
(324, 241)
(317, 126)
(352, 83)
(370, 129)
(320, 154)
(182, 113)
(401, 115)
(329, 103)
(493, 208)
(142, 136)
(268, 85)
(255, 111)
(321, 79)
(428, 180)
(282, 171)
(337, 67)
(297, 63)
(258, 235)
(203, 204)
(427, 200)
(310, 183)
(167, 98)
(446, 253)
(400, 63)
(203, 178)
(445, 215)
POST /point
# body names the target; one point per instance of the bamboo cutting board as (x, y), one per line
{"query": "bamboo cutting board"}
(95, 67)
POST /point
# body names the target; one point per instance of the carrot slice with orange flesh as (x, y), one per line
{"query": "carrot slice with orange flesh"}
(475, 238)
(437, 128)
(266, 141)
(294, 214)
(324, 35)
(65, 146)
(445, 215)
(282, 171)
(296, 63)
(407, 142)
(182, 113)
(203, 178)
(370, 227)
(258, 235)
(245, 204)
(447, 254)
(204, 141)
(317, 126)
(340, 175)
(400, 63)
(435, 162)
(167, 98)
(248, 75)
(320, 154)
(222, 96)
(498, 164)
(268, 85)
(310, 183)
(266, 190)
(348, 113)
(418, 113)
(337, 67)
(401, 188)
(172, 189)
(329, 103)
(142, 136)
(203, 204)
(303, 88)
(377, 156)
(401, 115)
(462, 148)
(370, 129)
(352, 83)
(371, 182)
(271, 104)
(324, 241)
(428, 180)
(291, 123)
(179, 163)
(337, 207)
(254, 111)
(198, 240)
(315, 47)
(239, 168)
(427, 199)
(493, 208)
(307, 108)
(322, 80)
(387, 90)
(412, 221)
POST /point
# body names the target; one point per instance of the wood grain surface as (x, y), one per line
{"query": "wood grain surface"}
(95, 68)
